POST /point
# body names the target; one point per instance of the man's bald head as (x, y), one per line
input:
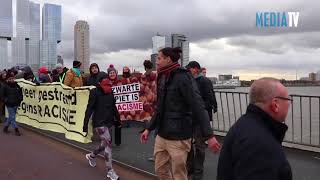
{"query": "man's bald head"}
(265, 93)
(263, 90)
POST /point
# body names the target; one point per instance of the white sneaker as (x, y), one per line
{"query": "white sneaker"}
(112, 175)
(92, 161)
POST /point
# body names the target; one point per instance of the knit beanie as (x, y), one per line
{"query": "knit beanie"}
(111, 68)
(76, 64)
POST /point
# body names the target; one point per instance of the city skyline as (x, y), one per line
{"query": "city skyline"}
(223, 37)
(20, 34)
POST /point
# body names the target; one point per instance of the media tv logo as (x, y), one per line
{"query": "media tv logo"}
(277, 19)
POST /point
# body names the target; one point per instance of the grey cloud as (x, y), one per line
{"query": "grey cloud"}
(131, 24)
(121, 25)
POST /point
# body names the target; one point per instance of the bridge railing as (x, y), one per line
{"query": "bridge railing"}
(302, 120)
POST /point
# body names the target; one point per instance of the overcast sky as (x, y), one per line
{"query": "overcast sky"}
(222, 33)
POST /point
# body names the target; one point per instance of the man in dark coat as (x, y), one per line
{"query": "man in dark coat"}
(252, 148)
(196, 156)
(95, 75)
(178, 102)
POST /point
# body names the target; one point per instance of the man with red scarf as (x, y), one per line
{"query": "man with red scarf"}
(179, 108)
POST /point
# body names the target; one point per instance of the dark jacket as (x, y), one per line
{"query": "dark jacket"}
(252, 149)
(12, 94)
(28, 75)
(103, 107)
(206, 91)
(56, 77)
(94, 79)
(44, 78)
(178, 101)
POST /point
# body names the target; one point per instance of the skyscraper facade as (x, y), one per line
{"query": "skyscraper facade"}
(33, 44)
(6, 25)
(51, 34)
(82, 44)
(23, 19)
(20, 46)
(6, 20)
(158, 42)
(51, 22)
(180, 40)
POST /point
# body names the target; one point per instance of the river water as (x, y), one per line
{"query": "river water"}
(302, 120)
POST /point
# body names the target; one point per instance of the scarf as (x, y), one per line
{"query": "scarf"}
(77, 71)
(166, 70)
(106, 85)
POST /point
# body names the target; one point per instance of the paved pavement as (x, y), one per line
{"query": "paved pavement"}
(34, 157)
(305, 165)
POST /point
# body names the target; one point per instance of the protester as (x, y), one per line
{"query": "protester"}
(12, 95)
(59, 73)
(204, 71)
(3, 79)
(73, 76)
(113, 77)
(112, 74)
(126, 73)
(95, 75)
(44, 76)
(179, 108)
(28, 75)
(196, 156)
(149, 76)
(252, 148)
(105, 115)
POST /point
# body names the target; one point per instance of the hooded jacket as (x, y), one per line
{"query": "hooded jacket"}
(94, 79)
(103, 106)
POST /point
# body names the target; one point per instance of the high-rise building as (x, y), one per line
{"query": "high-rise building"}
(82, 44)
(3, 53)
(51, 35)
(20, 46)
(6, 25)
(6, 20)
(312, 76)
(51, 22)
(23, 19)
(33, 44)
(158, 42)
(154, 60)
(180, 40)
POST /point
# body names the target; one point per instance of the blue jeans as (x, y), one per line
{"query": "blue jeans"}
(12, 116)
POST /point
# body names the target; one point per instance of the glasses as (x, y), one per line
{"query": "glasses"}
(284, 98)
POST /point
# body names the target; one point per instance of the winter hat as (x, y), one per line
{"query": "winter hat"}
(59, 65)
(76, 64)
(111, 68)
(43, 70)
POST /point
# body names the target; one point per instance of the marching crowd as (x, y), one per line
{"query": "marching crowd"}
(181, 122)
